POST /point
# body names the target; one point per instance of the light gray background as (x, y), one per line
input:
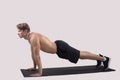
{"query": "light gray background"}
(92, 25)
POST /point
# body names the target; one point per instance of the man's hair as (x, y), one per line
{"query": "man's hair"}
(23, 26)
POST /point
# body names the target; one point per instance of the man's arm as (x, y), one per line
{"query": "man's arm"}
(34, 64)
(35, 47)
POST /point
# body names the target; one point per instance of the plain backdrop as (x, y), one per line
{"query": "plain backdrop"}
(91, 25)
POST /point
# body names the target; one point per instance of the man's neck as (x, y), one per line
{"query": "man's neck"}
(27, 37)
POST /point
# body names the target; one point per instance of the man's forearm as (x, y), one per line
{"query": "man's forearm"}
(34, 64)
(38, 63)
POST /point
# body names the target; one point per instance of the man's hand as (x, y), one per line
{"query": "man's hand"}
(36, 75)
(31, 69)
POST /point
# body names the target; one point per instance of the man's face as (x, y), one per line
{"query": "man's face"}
(21, 33)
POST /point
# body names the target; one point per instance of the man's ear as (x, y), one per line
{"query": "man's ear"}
(25, 31)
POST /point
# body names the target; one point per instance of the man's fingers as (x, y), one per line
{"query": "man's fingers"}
(32, 69)
(35, 75)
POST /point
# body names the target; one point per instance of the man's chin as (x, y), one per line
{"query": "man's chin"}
(20, 37)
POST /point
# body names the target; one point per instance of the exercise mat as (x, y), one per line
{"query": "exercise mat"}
(67, 70)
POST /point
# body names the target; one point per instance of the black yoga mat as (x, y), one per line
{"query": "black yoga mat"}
(67, 70)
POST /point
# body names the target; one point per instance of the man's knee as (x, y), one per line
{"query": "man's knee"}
(83, 54)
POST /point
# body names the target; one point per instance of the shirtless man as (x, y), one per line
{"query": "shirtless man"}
(61, 48)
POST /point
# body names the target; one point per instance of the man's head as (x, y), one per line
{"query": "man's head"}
(23, 30)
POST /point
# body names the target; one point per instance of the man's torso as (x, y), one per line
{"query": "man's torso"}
(45, 44)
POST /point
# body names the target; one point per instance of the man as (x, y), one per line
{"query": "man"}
(61, 48)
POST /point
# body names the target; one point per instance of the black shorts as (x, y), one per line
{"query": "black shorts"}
(65, 51)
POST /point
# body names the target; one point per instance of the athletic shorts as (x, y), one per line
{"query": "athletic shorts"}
(65, 51)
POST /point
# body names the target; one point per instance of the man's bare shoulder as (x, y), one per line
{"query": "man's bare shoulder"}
(40, 37)
(34, 36)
